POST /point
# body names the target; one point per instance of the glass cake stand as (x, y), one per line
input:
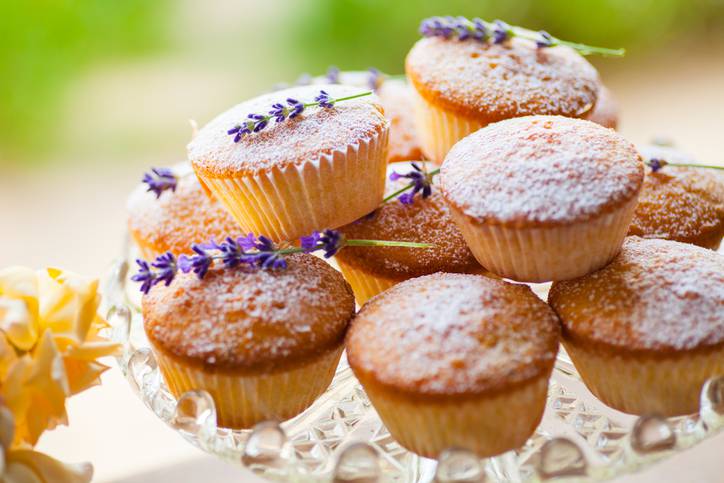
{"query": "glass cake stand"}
(340, 437)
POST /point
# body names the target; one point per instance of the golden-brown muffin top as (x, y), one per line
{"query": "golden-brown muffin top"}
(315, 133)
(492, 82)
(445, 335)
(605, 112)
(656, 296)
(681, 204)
(541, 171)
(396, 98)
(248, 319)
(178, 219)
(426, 220)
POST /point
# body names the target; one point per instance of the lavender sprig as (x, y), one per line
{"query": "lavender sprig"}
(253, 252)
(281, 112)
(657, 163)
(421, 182)
(160, 180)
(333, 74)
(497, 32)
(375, 78)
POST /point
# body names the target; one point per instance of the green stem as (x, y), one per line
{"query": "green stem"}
(347, 98)
(692, 165)
(582, 49)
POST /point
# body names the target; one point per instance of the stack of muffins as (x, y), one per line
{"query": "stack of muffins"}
(534, 185)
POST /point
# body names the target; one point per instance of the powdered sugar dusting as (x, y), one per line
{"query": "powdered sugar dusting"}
(251, 319)
(316, 132)
(496, 82)
(177, 219)
(655, 295)
(453, 334)
(427, 220)
(541, 169)
(682, 204)
(396, 98)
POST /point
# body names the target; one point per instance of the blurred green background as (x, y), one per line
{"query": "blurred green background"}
(109, 81)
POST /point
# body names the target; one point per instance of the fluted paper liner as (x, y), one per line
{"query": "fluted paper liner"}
(666, 385)
(290, 202)
(438, 130)
(547, 253)
(243, 400)
(364, 285)
(486, 425)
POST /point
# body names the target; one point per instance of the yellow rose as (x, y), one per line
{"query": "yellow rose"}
(35, 390)
(50, 346)
(28, 466)
(19, 306)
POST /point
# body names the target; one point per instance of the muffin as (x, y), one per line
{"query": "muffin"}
(647, 331)
(463, 86)
(321, 169)
(680, 203)
(177, 219)
(455, 360)
(605, 111)
(264, 343)
(543, 198)
(426, 220)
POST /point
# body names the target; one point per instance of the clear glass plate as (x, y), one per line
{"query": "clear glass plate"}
(341, 438)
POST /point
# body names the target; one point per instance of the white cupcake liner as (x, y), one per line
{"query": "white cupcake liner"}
(438, 130)
(667, 385)
(364, 285)
(242, 400)
(486, 425)
(290, 202)
(548, 253)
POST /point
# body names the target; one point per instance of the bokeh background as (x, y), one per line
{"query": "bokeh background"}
(94, 92)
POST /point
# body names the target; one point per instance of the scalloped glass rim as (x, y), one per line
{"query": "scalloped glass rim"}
(341, 437)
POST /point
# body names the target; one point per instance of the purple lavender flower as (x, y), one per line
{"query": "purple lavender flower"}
(231, 252)
(501, 32)
(296, 107)
(279, 112)
(656, 164)
(260, 123)
(332, 241)
(160, 180)
(333, 75)
(144, 275)
(545, 40)
(437, 27)
(247, 242)
(373, 81)
(462, 27)
(420, 183)
(266, 257)
(167, 268)
(480, 31)
(199, 263)
(309, 243)
(328, 240)
(304, 80)
(324, 99)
